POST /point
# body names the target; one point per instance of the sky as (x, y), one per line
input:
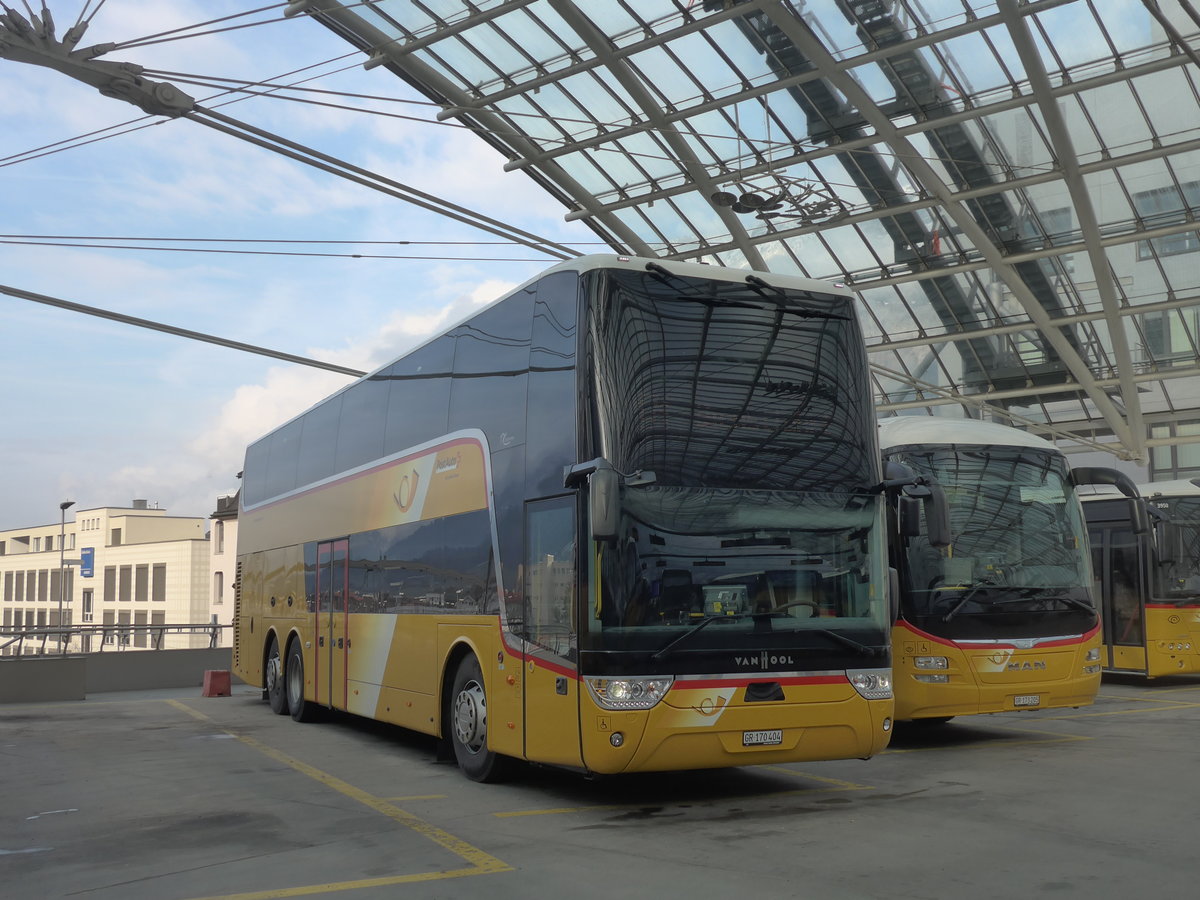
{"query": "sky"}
(103, 413)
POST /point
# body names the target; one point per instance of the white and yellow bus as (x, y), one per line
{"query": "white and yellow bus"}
(1148, 579)
(626, 518)
(1004, 617)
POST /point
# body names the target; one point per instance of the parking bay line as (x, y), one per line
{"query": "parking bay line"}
(482, 862)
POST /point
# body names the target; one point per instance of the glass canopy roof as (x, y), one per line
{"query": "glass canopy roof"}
(1012, 186)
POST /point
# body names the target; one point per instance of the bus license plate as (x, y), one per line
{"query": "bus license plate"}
(1027, 700)
(762, 738)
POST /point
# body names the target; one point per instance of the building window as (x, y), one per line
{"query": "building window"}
(116, 537)
(37, 545)
(110, 584)
(1179, 460)
(125, 584)
(87, 606)
(1168, 206)
(71, 545)
(218, 588)
(218, 537)
(141, 583)
(158, 592)
(49, 543)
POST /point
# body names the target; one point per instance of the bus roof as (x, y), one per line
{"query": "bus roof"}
(601, 261)
(690, 270)
(900, 431)
(1181, 488)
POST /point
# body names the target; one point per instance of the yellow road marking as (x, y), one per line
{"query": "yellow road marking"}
(482, 863)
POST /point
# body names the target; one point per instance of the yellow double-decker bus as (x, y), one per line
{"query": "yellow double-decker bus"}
(627, 518)
(1148, 578)
(1003, 617)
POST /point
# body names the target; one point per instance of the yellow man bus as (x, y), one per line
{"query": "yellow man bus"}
(627, 518)
(1148, 579)
(1003, 617)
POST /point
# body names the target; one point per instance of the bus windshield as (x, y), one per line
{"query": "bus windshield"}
(1018, 535)
(1179, 548)
(751, 561)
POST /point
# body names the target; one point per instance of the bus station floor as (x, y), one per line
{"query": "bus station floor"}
(173, 796)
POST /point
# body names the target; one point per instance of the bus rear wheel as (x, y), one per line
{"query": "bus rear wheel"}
(301, 709)
(468, 724)
(276, 692)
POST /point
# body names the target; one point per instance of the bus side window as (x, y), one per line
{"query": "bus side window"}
(549, 575)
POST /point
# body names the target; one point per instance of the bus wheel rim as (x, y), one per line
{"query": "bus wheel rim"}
(274, 665)
(470, 716)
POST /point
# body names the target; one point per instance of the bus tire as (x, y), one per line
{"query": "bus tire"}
(468, 724)
(301, 709)
(276, 689)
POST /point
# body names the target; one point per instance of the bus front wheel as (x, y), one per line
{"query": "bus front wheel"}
(468, 724)
(276, 692)
(301, 709)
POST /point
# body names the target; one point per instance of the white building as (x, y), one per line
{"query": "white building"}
(122, 568)
(223, 565)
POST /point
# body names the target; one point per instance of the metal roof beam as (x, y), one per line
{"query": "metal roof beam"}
(1064, 153)
(925, 174)
(633, 85)
(952, 395)
(1123, 312)
(783, 162)
(348, 21)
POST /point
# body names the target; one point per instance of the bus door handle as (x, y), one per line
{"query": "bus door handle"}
(321, 641)
(341, 641)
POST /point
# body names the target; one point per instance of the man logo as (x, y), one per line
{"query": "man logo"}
(1034, 665)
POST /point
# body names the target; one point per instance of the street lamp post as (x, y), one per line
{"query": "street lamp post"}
(62, 566)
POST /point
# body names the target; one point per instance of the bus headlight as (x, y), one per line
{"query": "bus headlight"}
(932, 679)
(628, 693)
(931, 662)
(1091, 670)
(1092, 655)
(874, 684)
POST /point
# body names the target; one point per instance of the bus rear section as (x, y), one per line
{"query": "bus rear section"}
(1147, 563)
(1003, 618)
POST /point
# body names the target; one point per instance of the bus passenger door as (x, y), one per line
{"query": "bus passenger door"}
(1119, 568)
(551, 654)
(329, 674)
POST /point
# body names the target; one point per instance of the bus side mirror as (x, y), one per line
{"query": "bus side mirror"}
(937, 517)
(908, 514)
(1139, 517)
(937, 511)
(604, 503)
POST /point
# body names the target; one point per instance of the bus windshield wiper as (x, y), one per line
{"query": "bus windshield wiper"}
(1031, 593)
(845, 641)
(699, 626)
(963, 602)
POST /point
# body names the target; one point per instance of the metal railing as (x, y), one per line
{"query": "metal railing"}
(35, 641)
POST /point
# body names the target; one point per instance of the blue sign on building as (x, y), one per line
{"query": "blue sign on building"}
(87, 559)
